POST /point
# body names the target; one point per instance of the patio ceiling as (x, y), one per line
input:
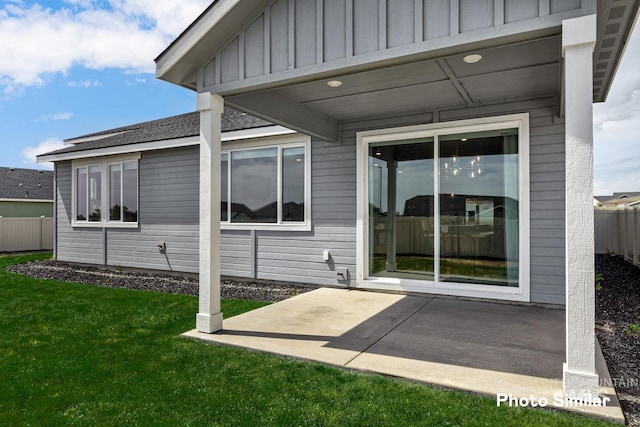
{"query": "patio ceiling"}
(519, 62)
(523, 71)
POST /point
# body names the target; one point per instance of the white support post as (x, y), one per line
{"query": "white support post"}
(580, 379)
(209, 317)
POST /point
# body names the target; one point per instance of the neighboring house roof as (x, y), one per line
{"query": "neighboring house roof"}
(182, 126)
(621, 201)
(625, 195)
(618, 196)
(26, 184)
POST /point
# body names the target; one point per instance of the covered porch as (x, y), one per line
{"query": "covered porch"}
(356, 76)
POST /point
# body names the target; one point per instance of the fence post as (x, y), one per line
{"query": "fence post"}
(635, 236)
(620, 248)
(41, 232)
(1, 236)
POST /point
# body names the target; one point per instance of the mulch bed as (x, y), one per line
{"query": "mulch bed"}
(229, 289)
(617, 307)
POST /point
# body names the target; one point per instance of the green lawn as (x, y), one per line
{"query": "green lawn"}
(84, 355)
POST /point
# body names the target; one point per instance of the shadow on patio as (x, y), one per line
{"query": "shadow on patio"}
(483, 347)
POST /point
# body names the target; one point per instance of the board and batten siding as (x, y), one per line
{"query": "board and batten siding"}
(308, 35)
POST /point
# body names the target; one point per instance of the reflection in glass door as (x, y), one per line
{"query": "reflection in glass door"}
(479, 208)
(457, 223)
(401, 209)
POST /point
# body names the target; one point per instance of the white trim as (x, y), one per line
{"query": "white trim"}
(104, 164)
(235, 135)
(110, 159)
(27, 200)
(363, 139)
(280, 142)
(104, 224)
(120, 150)
(243, 134)
(192, 36)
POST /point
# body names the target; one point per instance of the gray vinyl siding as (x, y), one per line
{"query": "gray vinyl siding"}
(236, 256)
(71, 245)
(298, 256)
(169, 211)
(307, 35)
(168, 206)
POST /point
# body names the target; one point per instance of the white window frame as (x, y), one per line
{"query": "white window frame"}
(103, 163)
(279, 142)
(434, 130)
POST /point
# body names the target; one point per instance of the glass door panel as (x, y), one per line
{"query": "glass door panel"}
(479, 208)
(401, 209)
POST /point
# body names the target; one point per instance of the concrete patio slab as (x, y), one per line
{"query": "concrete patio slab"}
(332, 326)
(484, 347)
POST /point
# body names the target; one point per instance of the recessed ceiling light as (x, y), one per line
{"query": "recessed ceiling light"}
(334, 83)
(472, 59)
(464, 140)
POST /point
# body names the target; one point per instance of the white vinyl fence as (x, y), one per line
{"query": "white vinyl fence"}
(618, 232)
(26, 234)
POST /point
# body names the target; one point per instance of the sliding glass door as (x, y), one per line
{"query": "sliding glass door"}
(443, 207)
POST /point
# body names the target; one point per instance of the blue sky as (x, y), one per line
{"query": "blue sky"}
(73, 67)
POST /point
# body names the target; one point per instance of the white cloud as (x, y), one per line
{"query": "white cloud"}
(29, 153)
(55, 116)
(84, 83)
(127, 35)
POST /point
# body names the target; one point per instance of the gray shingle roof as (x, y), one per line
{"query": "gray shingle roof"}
(16, 183)
(182, 126)
(617, 196)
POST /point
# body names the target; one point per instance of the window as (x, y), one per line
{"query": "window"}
(266, 185)
(123, 191)
(106, 193)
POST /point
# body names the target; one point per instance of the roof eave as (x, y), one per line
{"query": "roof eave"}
(604, 9)
(237, 135)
